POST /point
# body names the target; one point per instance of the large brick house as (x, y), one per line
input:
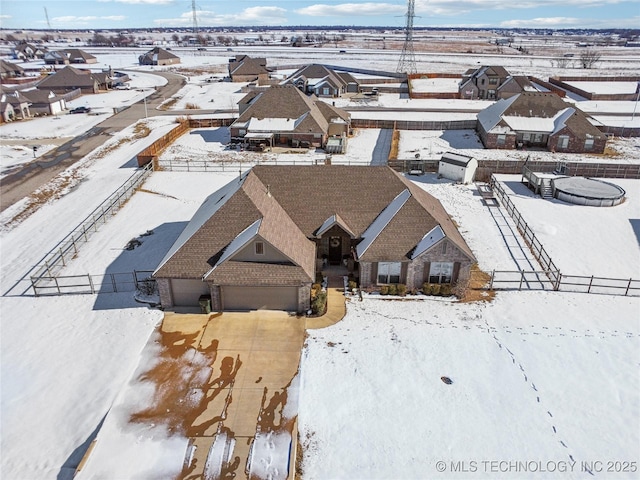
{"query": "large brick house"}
(70, 78)
(539, 120)
(282, 115)
(259, 241)
(244, 68)
(482, 83)
(322, 81)
(158, 56)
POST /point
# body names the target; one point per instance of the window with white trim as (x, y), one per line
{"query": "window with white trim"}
(326, 91)
(389, 272)
(502, 139)
(259, 248)
(440, 272)
(588, 144)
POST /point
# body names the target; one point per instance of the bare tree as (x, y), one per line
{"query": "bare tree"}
(561, 62)
(589, 57)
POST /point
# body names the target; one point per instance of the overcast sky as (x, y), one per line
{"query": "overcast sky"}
(113, 14)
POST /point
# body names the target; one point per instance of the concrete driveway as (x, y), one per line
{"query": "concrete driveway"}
(240, 368)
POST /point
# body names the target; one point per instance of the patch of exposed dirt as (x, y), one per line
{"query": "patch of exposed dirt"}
(477, 290)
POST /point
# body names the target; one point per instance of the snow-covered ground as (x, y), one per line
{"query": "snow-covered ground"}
(537, 376)
(540, 381)
(435, 84)
(608, 87)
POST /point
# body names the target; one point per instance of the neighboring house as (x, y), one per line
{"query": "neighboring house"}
(260, 241)
(10, 70)
(539, 120)
(323, 82)
(56, 58)
(67, 56)
(158, 56)
(243, 68)
(19, 103)
(482, 83)
(71, 78)
(27, 51)
(7, 114)
(456, 167)
(284, 116)
(44, 102)
(75, 55)
(516, 84)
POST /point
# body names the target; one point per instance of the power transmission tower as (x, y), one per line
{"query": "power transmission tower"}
(46, 14)
(195, 18)
(407, 63)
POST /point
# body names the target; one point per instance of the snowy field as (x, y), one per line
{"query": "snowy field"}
(537, 376)
(435, 84)
(606, 87)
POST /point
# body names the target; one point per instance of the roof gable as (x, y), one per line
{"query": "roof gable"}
(432, 237)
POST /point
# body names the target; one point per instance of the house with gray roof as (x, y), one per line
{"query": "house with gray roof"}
(261, 241)
(158, 56)
(539, 120)
(282, 115)
(322, 81)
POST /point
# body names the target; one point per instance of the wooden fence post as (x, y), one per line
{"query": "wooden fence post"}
(493, 273)
(93, 290)
(626, 292)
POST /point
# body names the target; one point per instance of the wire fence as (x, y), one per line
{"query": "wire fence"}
(69, 246)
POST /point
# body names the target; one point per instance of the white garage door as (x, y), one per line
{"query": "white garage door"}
(186, 293)
(260, 298)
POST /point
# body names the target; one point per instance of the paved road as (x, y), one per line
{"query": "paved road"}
(35, 174)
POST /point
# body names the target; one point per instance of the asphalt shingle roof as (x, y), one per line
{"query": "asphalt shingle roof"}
(293, 203)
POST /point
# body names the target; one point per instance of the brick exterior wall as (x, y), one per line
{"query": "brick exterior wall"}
(417, 274)
(490, 140)
(575, 145)
(164, 289)
(216, 297)
(304, 298)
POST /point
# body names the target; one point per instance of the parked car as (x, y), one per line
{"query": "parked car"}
(80, 110)
(122, 86)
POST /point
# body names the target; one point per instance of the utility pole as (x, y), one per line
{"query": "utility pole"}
(407, 63)
(195, 18)
(46, 14)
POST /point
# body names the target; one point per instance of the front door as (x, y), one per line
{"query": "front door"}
(335, 250)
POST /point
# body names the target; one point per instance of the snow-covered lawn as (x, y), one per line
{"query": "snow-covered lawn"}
(608, 87)
(536, 377)
(435, 84)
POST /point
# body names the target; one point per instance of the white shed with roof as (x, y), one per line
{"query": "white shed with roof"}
(459, 168)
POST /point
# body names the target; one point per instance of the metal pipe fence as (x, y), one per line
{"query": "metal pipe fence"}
(69, 246)
(540, 280)
(93, 284)
(536, 247)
